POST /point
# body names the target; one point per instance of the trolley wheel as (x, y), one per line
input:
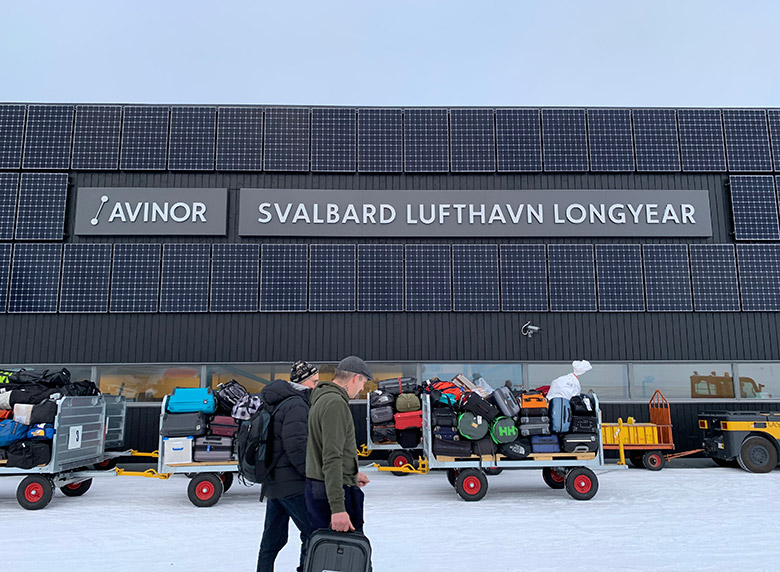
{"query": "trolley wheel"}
(76, 489)
(452, 476)
(757, 455)
(471, 484)
(731, 463)
(582, 483)
(399, 459)
(637, 460)
(653, 461)
(553, 478)
(493, 471)
(34, 492)
(106, 465)
(205, 489)
(227, 481)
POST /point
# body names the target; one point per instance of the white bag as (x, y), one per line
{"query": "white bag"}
(23, 413)
(5, 400)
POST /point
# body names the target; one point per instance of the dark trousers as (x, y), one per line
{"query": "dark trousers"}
(278, 513)
(319, 509)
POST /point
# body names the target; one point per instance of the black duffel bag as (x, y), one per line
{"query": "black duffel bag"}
(48, 377)
(28, 454)
(516, 450)
(583, 405)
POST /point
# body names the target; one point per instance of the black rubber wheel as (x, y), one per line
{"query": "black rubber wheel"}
(757, 455)
(34, 492)
(452, 476)
(653, 461)
(205, 489)
(493, 471)
(76, 489)
(471, 484)
(399, 459)
(582, 483)
(637, 460)
(553, 478)
(106, 465)
(227, 481)
(729, 463)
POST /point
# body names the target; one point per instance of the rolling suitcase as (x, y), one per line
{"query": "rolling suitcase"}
(579, 443)
(582, 424)
(330, 551)
(228, 394)
(478, 406)
(223, 426)
(560, 415)
(533, 400)
(191, 400)
(382, 415)
(183, 425)
(212, 449)
(545, 444)
(528, 429)
(446, 433)
(506, 402)
(398, 385)
(451, 448)
(537, 419)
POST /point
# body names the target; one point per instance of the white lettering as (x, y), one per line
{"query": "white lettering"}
(537, 214)
(670, 214)
(146, 212)
(263, 209)
(570, 213)
(316, 214)
(117, 213)
(556, 216)
(157, 210)
(198, 212)
(473, 214)
(515, 216)
(635, 212)
(283, 217)
(620, 216)
(409, 218)
(496, 214)
(350, 214)
(386, 214)
(369, 211)
(459, 209)
(432, 217)
(333, 213)
(597, 212)
(651, 212)
(687, 213)
(132, 215)
(301, 214)
(183, 217)
(444, 211)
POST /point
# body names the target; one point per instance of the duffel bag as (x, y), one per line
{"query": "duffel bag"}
(380, 398)
(484, 446)
(444, 417)
(48, 377)
(383, 433)
(451, 448)
(477, 405)
(408, 438)
(472, 426)
(381, 415)
(583, 405)
(41, 431)
(10, 432)
(583, 424)
(80, 388)
(229, 394)
(407, 402)
(28, 454)
(5, 400)
(408, 420)
(398, 385)
(579, 443)
(43, 412)
(516, 450)
(444, 392)
(503, 430)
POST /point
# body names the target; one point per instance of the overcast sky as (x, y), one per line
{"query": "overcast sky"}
(393, 53)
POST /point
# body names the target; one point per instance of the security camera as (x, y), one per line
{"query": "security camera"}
(529, 329)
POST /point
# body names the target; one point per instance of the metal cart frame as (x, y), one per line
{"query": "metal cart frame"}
(400, 456)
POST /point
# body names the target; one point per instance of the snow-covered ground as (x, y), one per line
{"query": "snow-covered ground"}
(693, 516)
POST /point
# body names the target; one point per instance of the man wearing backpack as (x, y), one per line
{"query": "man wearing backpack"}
(284, 486)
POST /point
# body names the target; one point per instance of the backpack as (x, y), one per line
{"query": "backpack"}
(247, 407)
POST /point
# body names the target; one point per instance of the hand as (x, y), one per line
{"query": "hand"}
(340, 522)
(362, 480)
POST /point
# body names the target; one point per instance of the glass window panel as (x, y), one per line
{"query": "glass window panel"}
(609, 381)
(146, 383)
(683, 381)
(759, 380)
(77, 372)
(254, 377)
(495, 374)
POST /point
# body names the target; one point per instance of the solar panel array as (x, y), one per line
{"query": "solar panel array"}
(41, 211)
(286, 139)
(572, 278)
(11, 135)
(774, 134)
(240, 139)
(428, 278)
(754, 207)
(86, 276)
(135, 283)
(96, 137)
(714, 272)
(519, 140)
(611, 144)
(523, 278)
(619, 273)
(5, 270)
(9, 191)
(759, 277)
(473, 145)
(667, 278)
(565, 140)
(185, 278)
(193, 138)
(235, 274)
(145, 138)
(655, 139)
(747, 140)
(380, 140)
(475, 278)
(284, 277)
(426, 141)
(380, 278)
(333, 139)
(332, 277)
(701, 140)
(47, 137)
(35, 278)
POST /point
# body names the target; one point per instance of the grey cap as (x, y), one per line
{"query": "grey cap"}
(355, 365)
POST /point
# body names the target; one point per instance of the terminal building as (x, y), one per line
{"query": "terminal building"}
(147, 247)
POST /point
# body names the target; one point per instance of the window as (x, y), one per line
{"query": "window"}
(684, 380)
(253, 377)
(759, 380)
(495, 374)
(606, 380)
(146, 383)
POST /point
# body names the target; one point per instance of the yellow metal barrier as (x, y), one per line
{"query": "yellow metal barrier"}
(151, 473)
(422, 467)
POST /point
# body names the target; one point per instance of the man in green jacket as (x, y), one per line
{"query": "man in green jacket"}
(333, 482)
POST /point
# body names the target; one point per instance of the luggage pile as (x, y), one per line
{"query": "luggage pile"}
(28, 407)
(198, 424)
(395, 411)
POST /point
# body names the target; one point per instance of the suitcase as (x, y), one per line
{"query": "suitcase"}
(583, 405)
(506, 402)
(579, 443)
(407, 402)
(345, 551)
(446, 433)
(581, 424)
(533, 400)
(535, 412)
(380, 399)
(228, 394)
(411, 419)
(382, 415)
(183, 425)
(503, 430)
(177, 450)
(383, 434)
(212, 449)
(545, 444)
(484, 446)
(536, 419)
(560, 415)
(409, 438)
(516, 450)
(528, 429)
(444, 417)
(223, 426)
(191, 400)
(451, 448)
(398, 385)
(472, 426)
(475, 404)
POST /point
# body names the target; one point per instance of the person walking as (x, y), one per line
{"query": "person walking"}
(285, 485)
(333, 483)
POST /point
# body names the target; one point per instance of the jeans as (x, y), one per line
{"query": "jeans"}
(319, 509)
(278, 513)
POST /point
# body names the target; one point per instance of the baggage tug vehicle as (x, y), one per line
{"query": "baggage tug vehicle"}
(748, 438)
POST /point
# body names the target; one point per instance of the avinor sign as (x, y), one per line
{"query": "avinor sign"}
(554, 213)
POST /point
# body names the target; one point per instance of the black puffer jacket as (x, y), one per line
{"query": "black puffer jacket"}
(290, 432)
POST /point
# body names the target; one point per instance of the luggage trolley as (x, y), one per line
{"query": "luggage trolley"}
(399, 457)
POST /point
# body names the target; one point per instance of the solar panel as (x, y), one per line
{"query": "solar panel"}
(754, 207)
(332, 277)
(135, 283)
(774, 135)
(667, 278)
(9, 190)
(655, 139)
(235, 274)
(5, 270)
(759, 277)
(426, 141)
(701, 140)
(286, 139)
(193, 138)
(240, 139)
(523, 278)
(35, 278)
(144, 138)
(475, 277)
(185, 278)
(619, 277)
(380, 140)
(41, 212)
(473, 140)
(714, 272)
(48, 135)
(284, 275)
(611, 144)
(572, 278)
(428, 278)
(86, 273)
(519, 138)
(565, 140)
(747, 140)
(333, 139)
(11, 135)
(380, 278)
(96, 137)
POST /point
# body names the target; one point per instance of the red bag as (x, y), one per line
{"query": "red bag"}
(408, 420)
(6, 414)
(444, 387)
(223, 426)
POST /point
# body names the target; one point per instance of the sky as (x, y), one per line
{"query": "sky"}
(684, 53)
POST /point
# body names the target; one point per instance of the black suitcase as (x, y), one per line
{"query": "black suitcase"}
(444, 417)
(484, 446)
(399, 385)
(212, 448)
(516, 450)
(475, 404)
(583, 404)
(381, 415)
(534, 412)
(228, 394)
(539, 419)
(528, 429)
(582, 424)
(451, 448)
(183, 424)
(579, 443)
(446, 433)
(343, 551)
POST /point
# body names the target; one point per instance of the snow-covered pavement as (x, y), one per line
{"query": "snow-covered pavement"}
(705, 518)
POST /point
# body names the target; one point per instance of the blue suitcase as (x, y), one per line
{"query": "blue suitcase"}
(545, 444)
(191, 400)
(343, 551)
(560, 415)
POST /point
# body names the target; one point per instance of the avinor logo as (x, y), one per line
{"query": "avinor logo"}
(133, 211)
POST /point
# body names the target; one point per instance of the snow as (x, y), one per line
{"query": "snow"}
(690, 516)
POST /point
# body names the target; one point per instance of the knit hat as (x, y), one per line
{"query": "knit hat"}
(301, 371)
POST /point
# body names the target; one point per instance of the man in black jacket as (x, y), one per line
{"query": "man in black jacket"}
(284, 487)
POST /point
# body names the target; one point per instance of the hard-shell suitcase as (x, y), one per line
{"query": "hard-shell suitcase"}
(579, 443)
(398, 385)
(472, 426)
(408, 420)
(331, 551)
(446, 433)
(451, 448)
(506, 402)
(583, 404)
(407, 402)
(532, 400)
(536, 419)
(444, 417)
(228, 394)
(183, 424)
(582, 424)
(535, 412)
(560, 415)
(212, 449)
(383, 433)
(516, 450)
(484, 446)
(382, 415)
(528, 429)
(223, 426)
(192, 400)
(380, 398)
(503, 430)
(545, 444)
(478, 406)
